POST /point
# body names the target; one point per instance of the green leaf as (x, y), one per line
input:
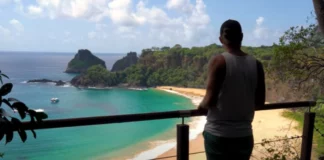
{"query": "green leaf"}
(2, 128)
(9, 136)
(34, 133)
(21, 107)
(4, 75)
(1, 155)
(2, 133)
(32, 118)
(9, 130)
(21, 132)
(32, 112)
(16, 122)
(32, 115)
(23, 135)
(40, 116)
(5, 89)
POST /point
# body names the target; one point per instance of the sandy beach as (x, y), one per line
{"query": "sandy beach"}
(266, 124)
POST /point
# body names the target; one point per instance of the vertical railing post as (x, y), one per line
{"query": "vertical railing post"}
(306, 150)
(182, 141)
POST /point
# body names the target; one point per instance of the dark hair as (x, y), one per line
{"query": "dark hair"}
(231, 33)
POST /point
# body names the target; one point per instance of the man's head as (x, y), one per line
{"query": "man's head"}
(231, 35)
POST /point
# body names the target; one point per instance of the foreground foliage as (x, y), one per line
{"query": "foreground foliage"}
(10, 123)
(279, 148)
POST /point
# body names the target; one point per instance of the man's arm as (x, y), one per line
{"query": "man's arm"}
(216, 75)
(260, 91)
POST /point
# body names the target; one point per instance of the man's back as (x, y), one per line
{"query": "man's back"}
(234, 111)
(235, 88)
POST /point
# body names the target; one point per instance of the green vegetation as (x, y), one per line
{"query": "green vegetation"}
(319, 124)
(96, 76)
(299, 60)
(179, 66)
(75, 63)
(279, 148)
(175, 66)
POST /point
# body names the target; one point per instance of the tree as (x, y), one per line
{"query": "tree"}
(155, 48)
(165, 48)
(299, 57)
(177, 46)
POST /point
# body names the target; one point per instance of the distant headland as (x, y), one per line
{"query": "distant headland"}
(172, 66)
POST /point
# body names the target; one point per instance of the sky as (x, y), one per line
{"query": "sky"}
(121, 26)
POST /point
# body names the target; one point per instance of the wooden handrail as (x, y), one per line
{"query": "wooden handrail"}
(85, 121)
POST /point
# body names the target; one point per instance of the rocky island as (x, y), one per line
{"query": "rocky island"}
(57, 83)
(127, 61)
(99, 77)
(83, 60)
(96, 76)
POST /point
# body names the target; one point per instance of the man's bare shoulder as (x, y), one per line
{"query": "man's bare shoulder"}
(218, 61)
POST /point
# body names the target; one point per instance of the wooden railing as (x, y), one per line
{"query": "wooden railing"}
(182, 129)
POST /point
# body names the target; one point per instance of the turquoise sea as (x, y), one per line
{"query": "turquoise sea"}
(89, 142)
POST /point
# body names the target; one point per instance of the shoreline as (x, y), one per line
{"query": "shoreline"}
(160, 147)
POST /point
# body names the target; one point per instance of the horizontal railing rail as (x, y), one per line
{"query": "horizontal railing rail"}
(86, 121)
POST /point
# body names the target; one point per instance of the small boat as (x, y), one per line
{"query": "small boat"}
(54, 100)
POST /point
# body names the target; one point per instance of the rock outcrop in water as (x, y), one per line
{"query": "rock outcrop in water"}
(127, 61)
(57, 83)
(83, 60)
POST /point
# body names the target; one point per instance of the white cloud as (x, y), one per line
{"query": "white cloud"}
(259, 21)
(93, 10)
(187, 28)
(193, 27)
(120, 13)
(182, 5)
(17, 25)
(4, 31)
(261, 34)
(35, 10)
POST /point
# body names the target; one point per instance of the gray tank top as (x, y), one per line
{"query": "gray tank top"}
(234, 113)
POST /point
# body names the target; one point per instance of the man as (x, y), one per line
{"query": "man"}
(235, 88)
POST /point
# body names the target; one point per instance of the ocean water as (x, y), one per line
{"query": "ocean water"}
(89, 142)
